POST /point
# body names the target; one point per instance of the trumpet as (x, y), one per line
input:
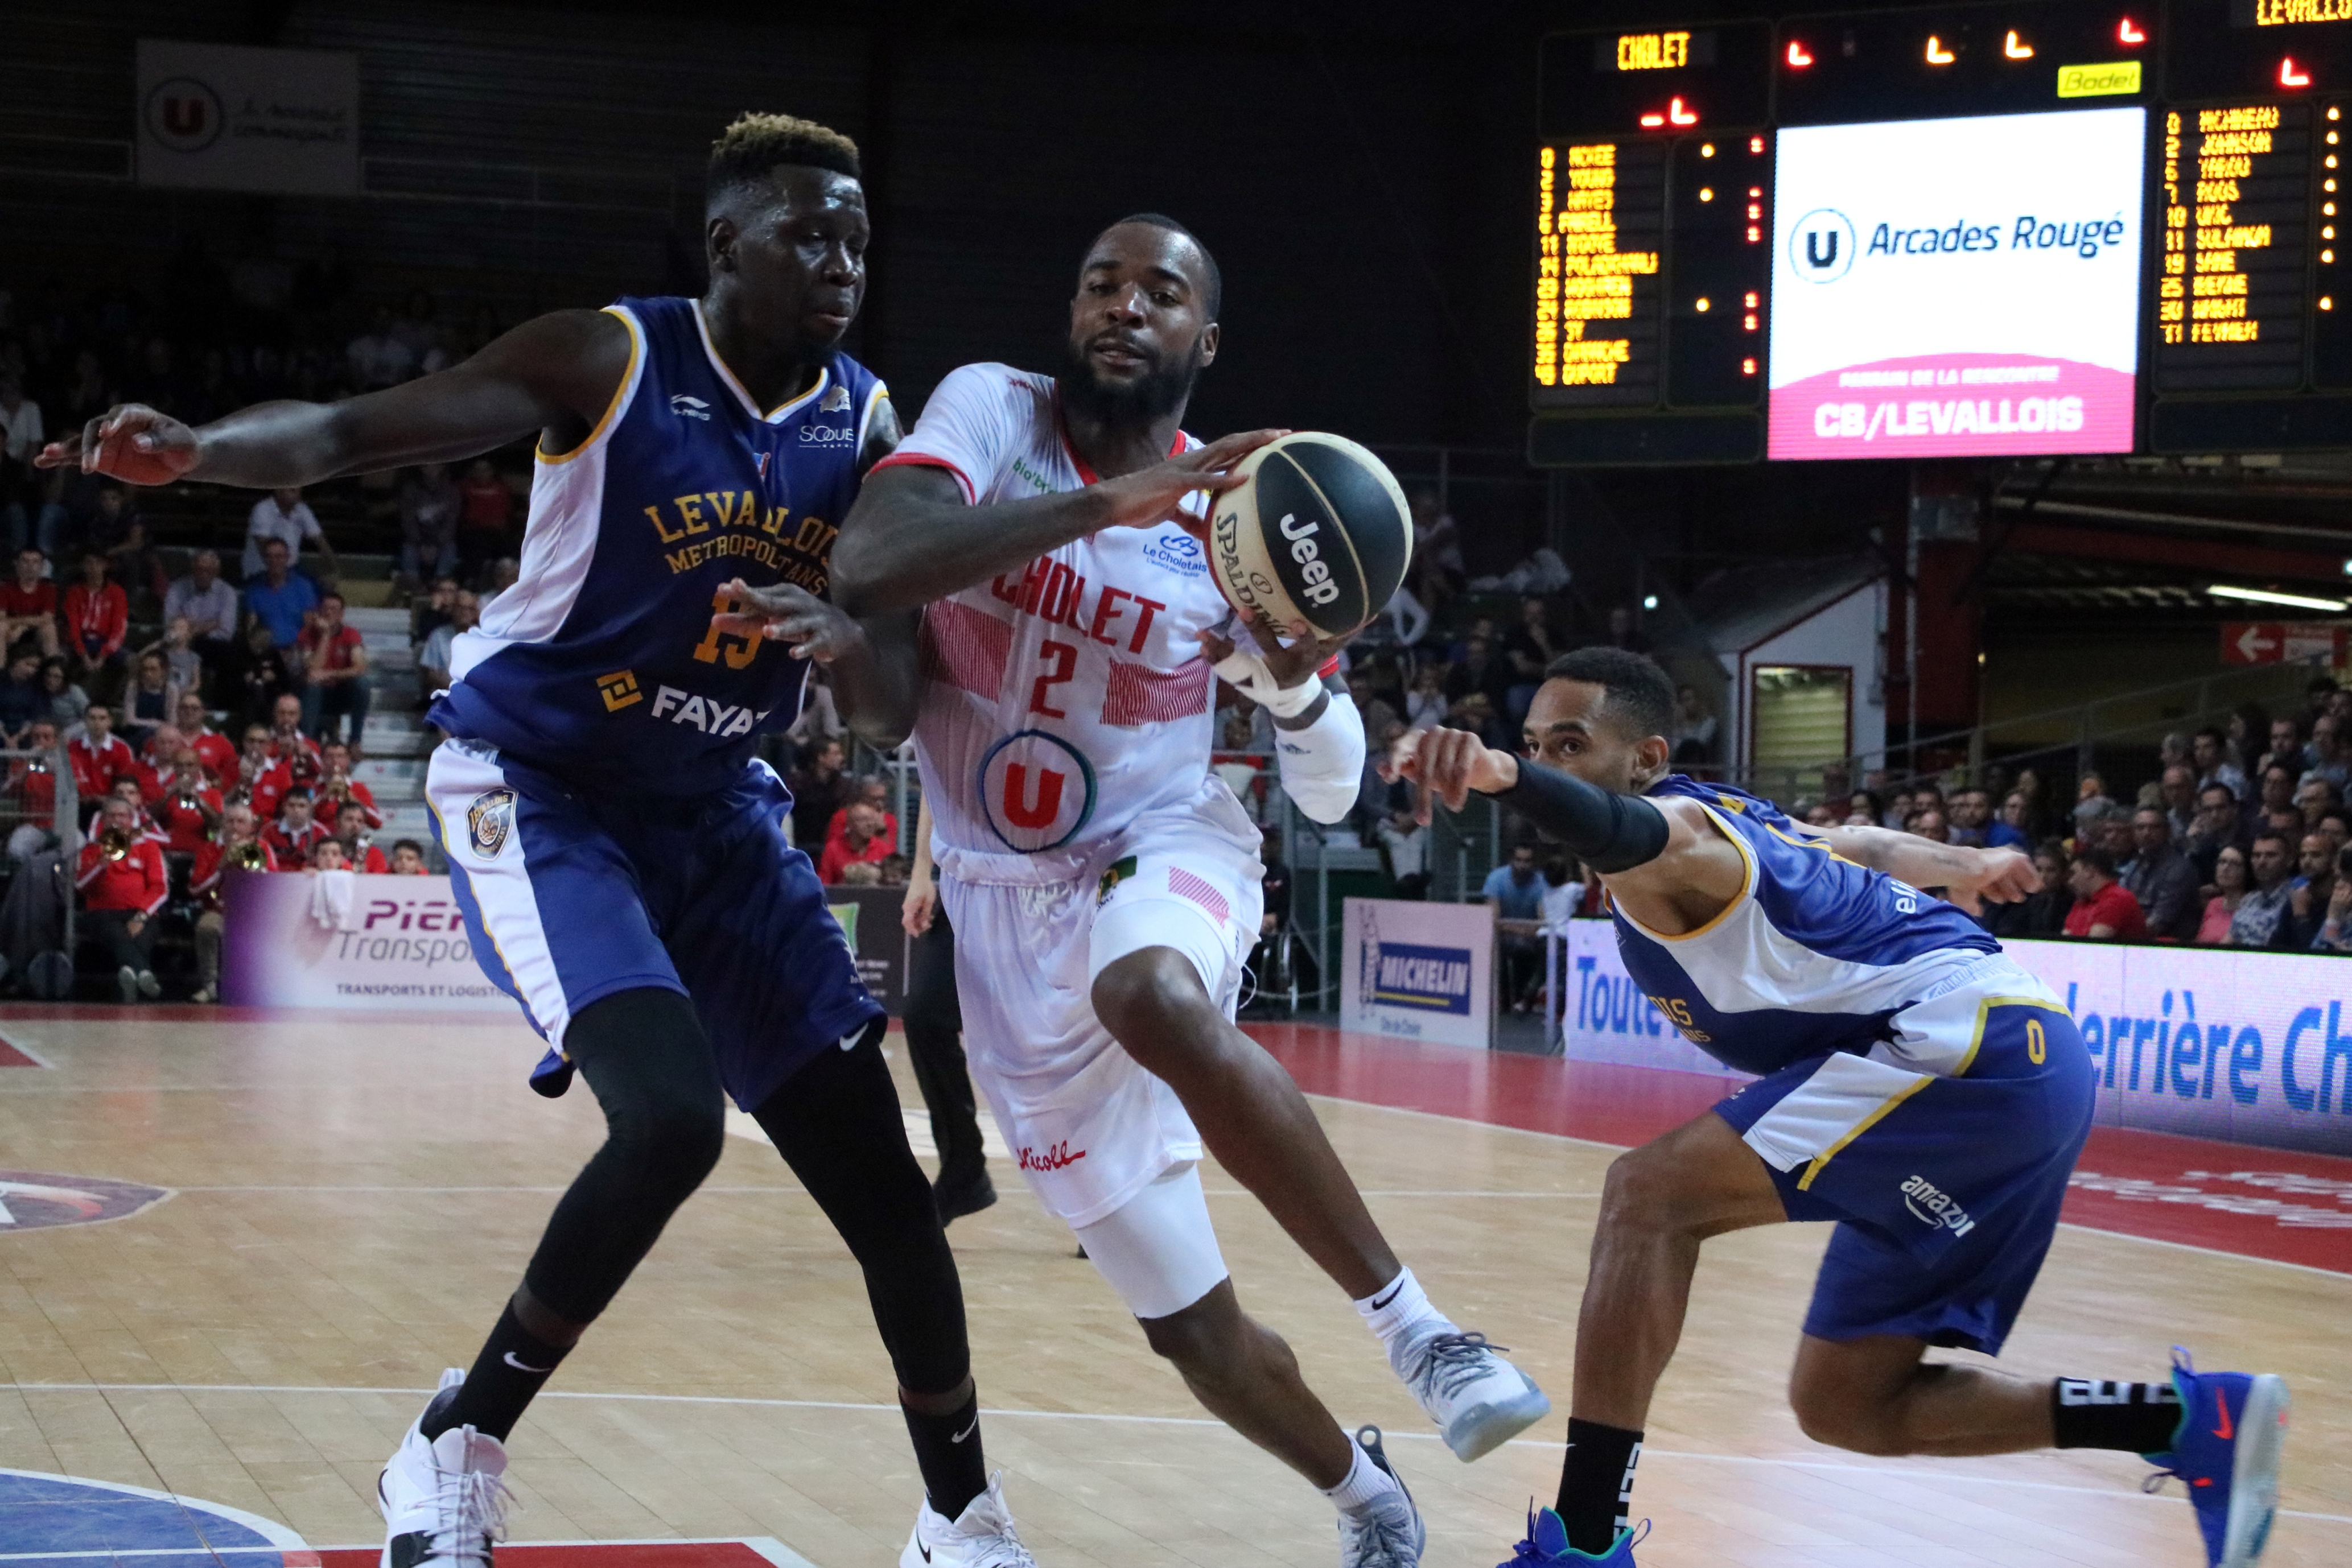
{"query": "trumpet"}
(249, 856)
(114, 843)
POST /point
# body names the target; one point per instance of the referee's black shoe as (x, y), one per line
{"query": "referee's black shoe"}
(961, 1194)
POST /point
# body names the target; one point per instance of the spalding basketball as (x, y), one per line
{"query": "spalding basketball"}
(1317, 541)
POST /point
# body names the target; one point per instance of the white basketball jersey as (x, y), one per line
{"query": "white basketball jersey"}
(1064, 701)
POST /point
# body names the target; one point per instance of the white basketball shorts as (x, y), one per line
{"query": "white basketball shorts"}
(1090, 1129)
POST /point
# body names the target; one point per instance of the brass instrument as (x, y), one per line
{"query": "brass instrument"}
(114, 843)
(249, 856)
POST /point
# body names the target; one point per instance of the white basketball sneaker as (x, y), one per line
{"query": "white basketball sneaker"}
(1387, 1532)
(980, 1537)
(1478, 1400)
(444, 1501)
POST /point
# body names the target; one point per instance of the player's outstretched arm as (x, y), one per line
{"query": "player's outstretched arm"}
(1968, 875)
(555, 374)
(911, 538)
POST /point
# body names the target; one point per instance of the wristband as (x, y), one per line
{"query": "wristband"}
(1246, 672)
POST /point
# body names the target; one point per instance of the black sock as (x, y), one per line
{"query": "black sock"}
(2092, 1412)
(1596, 1483)
(947, 1450)
(514, 1362)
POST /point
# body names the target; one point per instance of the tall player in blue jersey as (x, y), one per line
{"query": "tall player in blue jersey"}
(1915, 1086)
(617, 851)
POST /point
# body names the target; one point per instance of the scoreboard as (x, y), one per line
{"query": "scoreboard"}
(2050, 226)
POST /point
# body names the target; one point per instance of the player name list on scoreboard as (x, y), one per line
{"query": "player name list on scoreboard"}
(1600, 217)
(2232, 280)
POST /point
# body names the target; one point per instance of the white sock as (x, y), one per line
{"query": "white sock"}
(1365, 1483)
(1401, 1310)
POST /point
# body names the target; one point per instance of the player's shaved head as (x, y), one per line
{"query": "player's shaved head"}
(1209, 281)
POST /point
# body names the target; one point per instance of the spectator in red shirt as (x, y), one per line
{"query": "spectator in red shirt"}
(408, 859)
(351, 828)
(238, 849)
(290, 838)
(131, 793)
(217, 751)
(28, 603)
(97, 616)
(2104, 911)
(121, 875)
(290, 746)
(190, 808)
(861, 839)
(261, 779)
(873, 792)
(98, 756)
(334, 673)
(31, 792)
(336, 783)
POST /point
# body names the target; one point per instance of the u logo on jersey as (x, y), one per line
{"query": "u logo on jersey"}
(1036, 790)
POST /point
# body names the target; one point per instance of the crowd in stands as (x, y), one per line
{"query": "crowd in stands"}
(2238, 841)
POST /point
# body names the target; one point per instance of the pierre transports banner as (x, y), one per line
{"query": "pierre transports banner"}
(225, 117)
(2253, 1048)
(1419, 971)
(366, 942)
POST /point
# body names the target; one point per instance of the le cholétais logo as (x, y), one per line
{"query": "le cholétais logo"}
(40, 1200)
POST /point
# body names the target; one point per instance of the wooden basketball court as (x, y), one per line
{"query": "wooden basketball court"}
(238, 1249)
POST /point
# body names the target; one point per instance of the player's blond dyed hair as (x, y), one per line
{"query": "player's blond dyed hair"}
(757, 143)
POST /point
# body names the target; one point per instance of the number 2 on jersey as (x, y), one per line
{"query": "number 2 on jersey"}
(1064, 657)
(739, 649)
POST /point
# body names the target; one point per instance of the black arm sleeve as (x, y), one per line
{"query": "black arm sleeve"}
(1607, 831)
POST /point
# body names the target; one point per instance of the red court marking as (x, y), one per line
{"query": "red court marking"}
(12, 1057)
(2192, 1191)
(586, 1554)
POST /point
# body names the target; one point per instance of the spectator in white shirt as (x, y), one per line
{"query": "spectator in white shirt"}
(378, 357)
(1426, 705)
(21, 487)
(432, 658)
(504, 573)
(284, 515)
(1407, 619)
(207, 604)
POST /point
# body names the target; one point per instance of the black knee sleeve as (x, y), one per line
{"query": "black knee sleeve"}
(643, 1054)
(836, 1123)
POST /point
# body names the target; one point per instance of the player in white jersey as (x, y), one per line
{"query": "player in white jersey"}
(1104, 887)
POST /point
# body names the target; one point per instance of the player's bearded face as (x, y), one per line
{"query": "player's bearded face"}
(1160, 388)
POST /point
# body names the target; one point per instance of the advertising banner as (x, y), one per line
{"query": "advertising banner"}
(2248, 1048)
(1946, 288)
(395, 942)
(226, 117)
(869, 918)
(1419, 971)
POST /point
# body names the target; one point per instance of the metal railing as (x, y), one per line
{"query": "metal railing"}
(2062, 742)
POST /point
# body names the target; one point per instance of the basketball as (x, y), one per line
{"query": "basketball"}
(1319, 538)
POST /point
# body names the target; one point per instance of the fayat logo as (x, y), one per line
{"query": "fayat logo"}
(1930, 1205)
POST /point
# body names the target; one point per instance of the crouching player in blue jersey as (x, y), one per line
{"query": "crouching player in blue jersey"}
(1916, 1087)
(619, 853)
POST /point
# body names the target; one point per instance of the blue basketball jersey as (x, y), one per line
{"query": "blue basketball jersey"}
(600, 663)
(1814, 954)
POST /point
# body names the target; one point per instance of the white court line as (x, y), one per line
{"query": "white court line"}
(1114, 1419)
(20, 1047)
(767, 1546)
(2062, 1225)
(1213, 1192)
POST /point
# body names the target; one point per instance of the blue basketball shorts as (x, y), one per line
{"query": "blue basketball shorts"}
(570, 897)
(1944, 1184)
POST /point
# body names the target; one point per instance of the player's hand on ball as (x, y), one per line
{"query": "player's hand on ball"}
(1291, 664)
(784, 614)
(1448, 764)
(1154, 495)
(129, 440)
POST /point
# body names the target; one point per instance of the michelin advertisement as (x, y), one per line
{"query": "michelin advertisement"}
(1956, 288)
(1418, 971)
(2250, 1048)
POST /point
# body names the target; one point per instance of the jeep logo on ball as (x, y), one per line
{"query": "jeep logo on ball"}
(1313, 571)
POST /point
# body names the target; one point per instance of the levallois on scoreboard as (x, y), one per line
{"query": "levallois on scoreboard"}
(1978, 231)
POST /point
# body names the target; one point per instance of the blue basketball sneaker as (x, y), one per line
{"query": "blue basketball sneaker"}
(1547, 1544)
(2226, 1451)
